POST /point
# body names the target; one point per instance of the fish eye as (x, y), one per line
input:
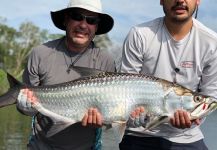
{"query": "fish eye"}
(198, 98)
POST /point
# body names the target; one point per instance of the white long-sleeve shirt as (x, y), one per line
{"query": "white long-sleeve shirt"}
(150, 49)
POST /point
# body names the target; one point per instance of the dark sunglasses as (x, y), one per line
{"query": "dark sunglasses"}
(92, 20)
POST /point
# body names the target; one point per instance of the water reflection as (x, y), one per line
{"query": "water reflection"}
(14, 129)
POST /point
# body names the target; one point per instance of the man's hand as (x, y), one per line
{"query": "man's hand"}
(137, 118)
(137, 112)
(92, 118)
(182, 120)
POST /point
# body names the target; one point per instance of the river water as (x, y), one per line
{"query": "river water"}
(15, 129)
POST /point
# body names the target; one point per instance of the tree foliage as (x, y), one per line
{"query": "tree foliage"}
(7, 42)
(102, 41)
(15, 45)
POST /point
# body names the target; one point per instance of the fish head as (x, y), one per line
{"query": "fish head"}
(196, 104)
(190, 101)
(206, 105)
(179, 97)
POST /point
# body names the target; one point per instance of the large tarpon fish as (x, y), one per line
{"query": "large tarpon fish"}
(115, 95)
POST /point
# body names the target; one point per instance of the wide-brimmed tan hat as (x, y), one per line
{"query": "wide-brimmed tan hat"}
(105, 24)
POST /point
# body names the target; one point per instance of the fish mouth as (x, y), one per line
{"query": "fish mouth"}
(203, 109)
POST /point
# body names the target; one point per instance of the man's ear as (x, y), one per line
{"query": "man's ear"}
(161, 2)
(198, 2)
(96, 27)
(66, 19)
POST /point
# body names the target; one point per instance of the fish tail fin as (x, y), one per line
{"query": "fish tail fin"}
(10, 97)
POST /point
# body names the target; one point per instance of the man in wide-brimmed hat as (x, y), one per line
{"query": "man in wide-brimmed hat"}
(53, 62)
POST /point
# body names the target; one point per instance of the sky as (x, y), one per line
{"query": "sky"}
(126, 13)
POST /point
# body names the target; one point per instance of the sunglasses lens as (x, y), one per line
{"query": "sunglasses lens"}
(92, 20)
(89, 19)
(76, 16)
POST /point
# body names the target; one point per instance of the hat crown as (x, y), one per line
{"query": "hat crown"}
(91, 5)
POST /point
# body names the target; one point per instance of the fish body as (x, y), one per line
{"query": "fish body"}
(115, 95)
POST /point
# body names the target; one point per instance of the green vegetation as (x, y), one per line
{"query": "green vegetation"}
(14, 129)
(15, 45)
(3, 82)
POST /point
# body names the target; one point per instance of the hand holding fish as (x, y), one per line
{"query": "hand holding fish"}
(137, 112)
(137, 117)
(182, 120)
(92, 118)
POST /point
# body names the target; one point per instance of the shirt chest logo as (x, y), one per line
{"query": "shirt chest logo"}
(187, 64)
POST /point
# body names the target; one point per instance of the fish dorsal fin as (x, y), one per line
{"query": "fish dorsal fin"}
(86, 72)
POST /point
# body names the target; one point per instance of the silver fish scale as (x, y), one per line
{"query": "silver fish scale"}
(115, 95)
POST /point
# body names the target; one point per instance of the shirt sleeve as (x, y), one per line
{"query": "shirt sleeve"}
(208, 84)
(132, 56)
(30, 77)
(104, 60)
(31, 72)
(109, 65)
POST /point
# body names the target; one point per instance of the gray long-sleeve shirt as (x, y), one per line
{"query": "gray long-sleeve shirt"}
(48, 64)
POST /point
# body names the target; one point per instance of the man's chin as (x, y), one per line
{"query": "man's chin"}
(80, 41)
(180, 19)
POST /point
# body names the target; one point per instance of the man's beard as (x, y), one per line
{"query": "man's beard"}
(176, 19)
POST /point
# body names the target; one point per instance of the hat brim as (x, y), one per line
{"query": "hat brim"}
(105, 25)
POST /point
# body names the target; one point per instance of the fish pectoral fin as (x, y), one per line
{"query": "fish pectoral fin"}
(157, 121)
